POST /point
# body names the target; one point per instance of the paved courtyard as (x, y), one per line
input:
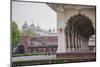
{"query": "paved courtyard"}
(30, 58)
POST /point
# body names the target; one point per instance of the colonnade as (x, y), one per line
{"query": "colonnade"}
(75, 41)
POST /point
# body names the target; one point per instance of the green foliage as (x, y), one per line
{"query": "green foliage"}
(30, 54)
(15, 34)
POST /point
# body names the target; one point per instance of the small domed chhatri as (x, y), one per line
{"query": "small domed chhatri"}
(25, 25)
(32, 25)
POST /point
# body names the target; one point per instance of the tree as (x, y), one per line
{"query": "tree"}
(15, 34)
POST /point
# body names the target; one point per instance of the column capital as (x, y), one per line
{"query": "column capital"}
(60, 8)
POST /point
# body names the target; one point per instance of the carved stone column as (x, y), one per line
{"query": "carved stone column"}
(61, 26)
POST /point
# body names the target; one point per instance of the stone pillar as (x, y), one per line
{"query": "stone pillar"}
(86, 45)
(61, 33)
(66, 33)
(79, 41)
(73, 41)
(83, 44)
(70, 41)
(69, 49)
(76, 41)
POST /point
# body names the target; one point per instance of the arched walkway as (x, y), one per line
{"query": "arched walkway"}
(78, 30)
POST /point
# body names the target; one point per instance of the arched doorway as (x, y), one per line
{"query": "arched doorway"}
(78, 31)
(20, 49)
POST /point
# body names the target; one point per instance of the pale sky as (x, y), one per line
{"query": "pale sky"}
(38, 13)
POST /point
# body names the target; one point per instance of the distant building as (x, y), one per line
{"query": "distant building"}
(43, 41)
(46, 44)
(36, 29)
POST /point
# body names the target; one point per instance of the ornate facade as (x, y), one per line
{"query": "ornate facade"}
(75, 24)
(45, 44)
